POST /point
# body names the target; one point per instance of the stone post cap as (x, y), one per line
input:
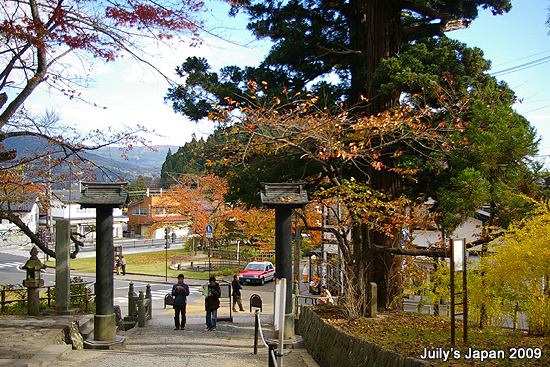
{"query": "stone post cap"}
(34, 263)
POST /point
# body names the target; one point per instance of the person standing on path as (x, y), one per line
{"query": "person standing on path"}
(236, 287)
(212, 303)
(123, 264)
(180, 291)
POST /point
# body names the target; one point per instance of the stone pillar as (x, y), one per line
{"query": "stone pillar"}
(104, 320)
(149, 296)
(142, 315)
(62, 266)
(33, 296)
(373, 299)
(283, 261)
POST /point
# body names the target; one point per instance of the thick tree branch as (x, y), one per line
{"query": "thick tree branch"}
(432, 252)
(4, 214)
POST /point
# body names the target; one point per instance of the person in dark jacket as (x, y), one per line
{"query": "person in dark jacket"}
(236, 287)
(212, 303)
(180, 291)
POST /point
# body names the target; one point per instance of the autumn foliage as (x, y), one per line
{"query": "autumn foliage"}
(517, 271)
(201, 199)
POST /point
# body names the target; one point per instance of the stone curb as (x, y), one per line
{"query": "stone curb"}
(46, 356)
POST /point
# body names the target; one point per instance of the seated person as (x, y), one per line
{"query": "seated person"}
(314, 285)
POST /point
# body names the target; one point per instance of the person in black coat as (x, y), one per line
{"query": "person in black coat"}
(236, 287)
(180, 291)
(212, 303)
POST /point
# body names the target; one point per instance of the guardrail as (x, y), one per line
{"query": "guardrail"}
(88, 296)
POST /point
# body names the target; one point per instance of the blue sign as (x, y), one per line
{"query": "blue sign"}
(209, 229)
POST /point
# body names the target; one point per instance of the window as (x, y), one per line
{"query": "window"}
(139, 211)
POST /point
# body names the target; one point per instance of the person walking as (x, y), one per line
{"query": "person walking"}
(212, 303)
(180, 291)
(236, 287)
(117, 265)
(123, 264)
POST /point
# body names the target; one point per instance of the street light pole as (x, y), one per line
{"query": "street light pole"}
(166, 230)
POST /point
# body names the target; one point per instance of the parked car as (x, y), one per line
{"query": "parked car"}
(257, 272)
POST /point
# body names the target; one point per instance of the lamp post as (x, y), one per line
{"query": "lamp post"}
(104, 197)
(284, 197)
(166, 232)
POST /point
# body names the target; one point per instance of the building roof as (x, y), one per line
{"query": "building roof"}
(103, 194)
(24, 204)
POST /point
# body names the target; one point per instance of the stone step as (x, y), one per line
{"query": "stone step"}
(86, 321)
(86, 326)
(87, 332)
(43, 358)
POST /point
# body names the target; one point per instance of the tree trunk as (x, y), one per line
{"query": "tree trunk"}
(375, 33)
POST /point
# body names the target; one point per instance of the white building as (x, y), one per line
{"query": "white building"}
(83, 221)
(28, 212)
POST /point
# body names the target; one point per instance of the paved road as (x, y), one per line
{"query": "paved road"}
(12, 259)
(10, 263)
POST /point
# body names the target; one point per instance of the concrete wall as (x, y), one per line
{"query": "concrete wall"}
(332, 347)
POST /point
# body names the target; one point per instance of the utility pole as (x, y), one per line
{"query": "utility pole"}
(166, 232)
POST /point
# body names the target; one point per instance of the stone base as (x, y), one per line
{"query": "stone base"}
(53, 312)
(118, 343)
(105, 327)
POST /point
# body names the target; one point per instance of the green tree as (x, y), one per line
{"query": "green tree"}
(137, 190)
(189, 159)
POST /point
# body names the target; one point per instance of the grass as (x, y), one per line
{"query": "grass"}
(410, 333)
(147, 263)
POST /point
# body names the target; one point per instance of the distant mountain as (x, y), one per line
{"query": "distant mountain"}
(141, 160)
(139, 156)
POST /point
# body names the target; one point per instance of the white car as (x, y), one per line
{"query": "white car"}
(257, 272)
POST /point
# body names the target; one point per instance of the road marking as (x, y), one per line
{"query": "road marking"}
(12, 264)
(159, 294)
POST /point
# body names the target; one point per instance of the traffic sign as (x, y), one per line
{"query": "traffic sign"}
(209, 229)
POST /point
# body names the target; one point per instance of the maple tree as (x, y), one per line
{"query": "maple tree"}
(201, 200)
(334, 144)
(52, 44)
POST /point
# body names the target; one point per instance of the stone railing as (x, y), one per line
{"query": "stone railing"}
(332, 347)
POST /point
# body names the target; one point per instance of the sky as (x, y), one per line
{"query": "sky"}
(128, 93)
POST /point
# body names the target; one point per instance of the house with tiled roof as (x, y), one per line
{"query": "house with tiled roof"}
(27, 209)
(145, 215)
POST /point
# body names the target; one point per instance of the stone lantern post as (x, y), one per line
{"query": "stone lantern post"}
(283, 197)
(33, 282)
(104, 197)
